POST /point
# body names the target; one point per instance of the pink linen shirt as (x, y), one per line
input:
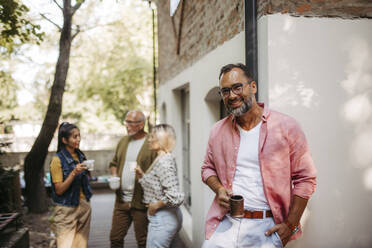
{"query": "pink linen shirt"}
(285, 160)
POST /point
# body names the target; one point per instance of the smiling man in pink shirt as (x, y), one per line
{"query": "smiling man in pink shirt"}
(262, 155)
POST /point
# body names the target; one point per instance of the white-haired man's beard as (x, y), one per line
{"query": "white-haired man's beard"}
(247, 105)
(133, 131)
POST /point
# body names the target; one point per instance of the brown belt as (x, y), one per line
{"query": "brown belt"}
(257, 214)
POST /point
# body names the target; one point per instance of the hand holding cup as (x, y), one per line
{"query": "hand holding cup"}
(223, 196)
(89, 164)
(79, 168)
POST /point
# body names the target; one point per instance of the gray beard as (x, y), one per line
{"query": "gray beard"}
(247, 105)
(131, 133)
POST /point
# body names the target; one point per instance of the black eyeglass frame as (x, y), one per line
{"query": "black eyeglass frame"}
(236, 88)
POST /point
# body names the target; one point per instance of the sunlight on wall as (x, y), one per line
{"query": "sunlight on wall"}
(359, 69)
(361, 149)
(319, 71)
(286, 93)
(368, 179)
(358, 109)
(294, 91)
(306, 94)
(289, 25)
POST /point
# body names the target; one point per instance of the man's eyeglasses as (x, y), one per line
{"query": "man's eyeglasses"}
(132, 122)
(236, 88)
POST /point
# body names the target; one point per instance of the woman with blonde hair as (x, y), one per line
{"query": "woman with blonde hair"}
(161, 189)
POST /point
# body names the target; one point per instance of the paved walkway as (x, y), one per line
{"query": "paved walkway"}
(102, 204)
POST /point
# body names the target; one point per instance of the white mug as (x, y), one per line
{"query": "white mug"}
(114, 183)
(89, 164)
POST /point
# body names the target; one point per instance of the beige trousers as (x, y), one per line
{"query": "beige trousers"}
(71, 225)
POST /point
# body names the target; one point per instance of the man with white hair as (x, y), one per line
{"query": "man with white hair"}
(132, 150)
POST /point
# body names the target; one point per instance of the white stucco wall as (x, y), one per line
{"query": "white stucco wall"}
(201, 78)
(319, 70)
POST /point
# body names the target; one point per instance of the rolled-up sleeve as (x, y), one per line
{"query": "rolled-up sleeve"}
(208, 168)
(169, 182)
(302, 165)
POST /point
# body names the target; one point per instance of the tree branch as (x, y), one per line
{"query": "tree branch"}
(59, 6)
(55, 24)
(76, 32)
(97, 26)
(76, 7)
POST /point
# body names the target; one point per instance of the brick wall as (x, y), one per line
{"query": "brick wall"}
(318, 8)
(206, 25)
(209, 23)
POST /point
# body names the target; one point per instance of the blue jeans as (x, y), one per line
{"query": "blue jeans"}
(163, 227)
(242, 232)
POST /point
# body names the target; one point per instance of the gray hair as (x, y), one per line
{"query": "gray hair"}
(141, 116)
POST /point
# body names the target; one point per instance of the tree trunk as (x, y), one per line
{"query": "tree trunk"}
(36, 198)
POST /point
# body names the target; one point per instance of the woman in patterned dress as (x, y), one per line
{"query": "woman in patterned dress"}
(161, 189)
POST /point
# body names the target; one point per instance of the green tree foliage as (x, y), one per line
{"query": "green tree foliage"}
(119, 75)
(8, 96)
(15, 28)
(110, 66)
(111, 71)
(120, 88)
(9, 106)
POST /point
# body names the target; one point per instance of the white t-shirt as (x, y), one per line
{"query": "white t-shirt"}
(128, 175)
(248, 180)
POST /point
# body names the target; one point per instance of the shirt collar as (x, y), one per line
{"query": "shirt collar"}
(265, 112)
(264, 116)
(69, 158)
